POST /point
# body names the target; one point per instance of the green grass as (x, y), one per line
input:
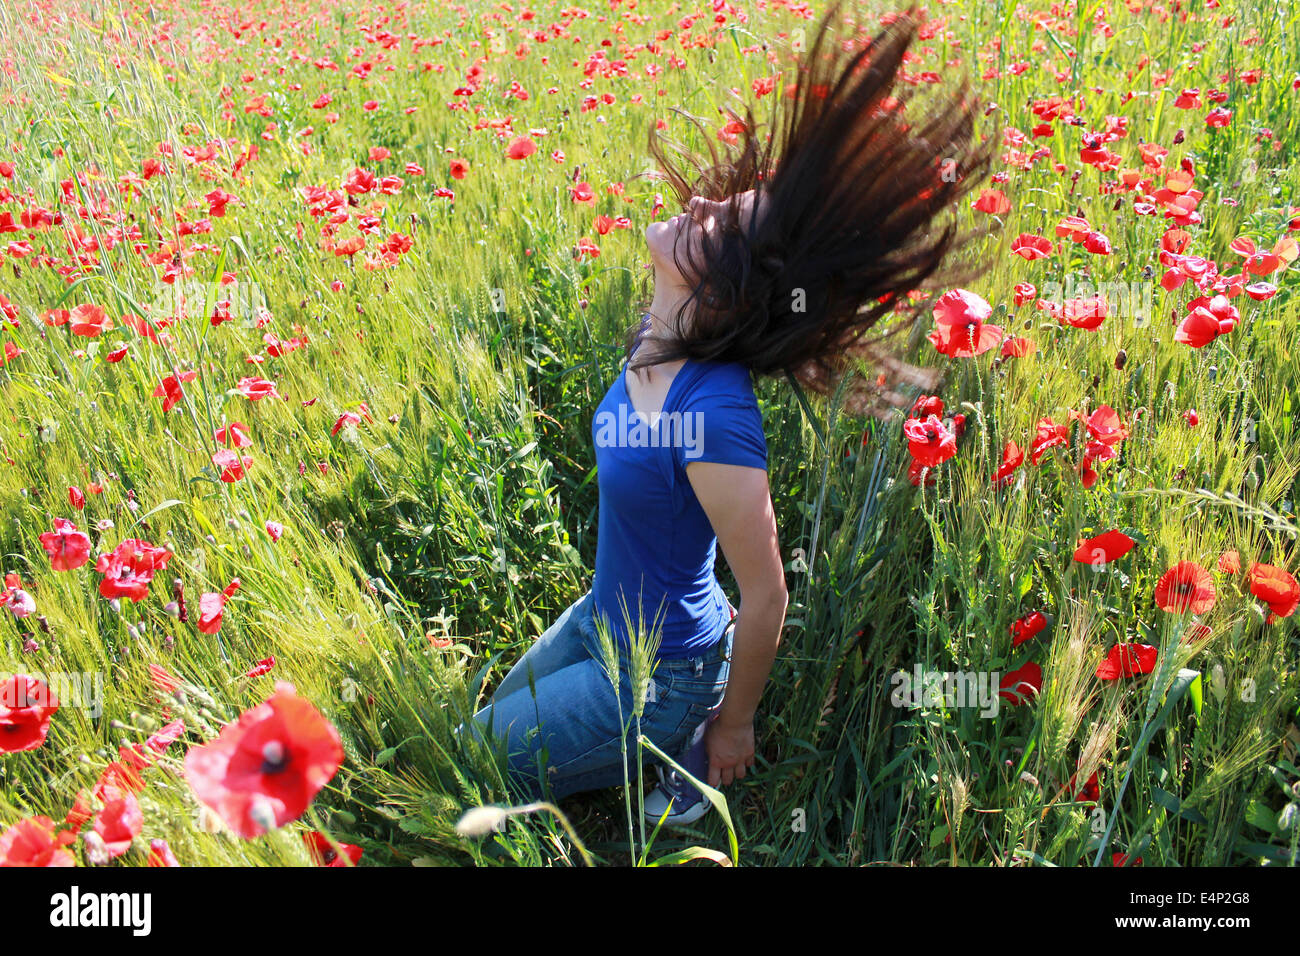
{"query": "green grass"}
(465, 509)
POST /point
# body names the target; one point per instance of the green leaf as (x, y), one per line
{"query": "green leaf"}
(1195, 692)
(1024, 583)
(170, 502)
(713, 795)
(693, 853)
(1258, 815)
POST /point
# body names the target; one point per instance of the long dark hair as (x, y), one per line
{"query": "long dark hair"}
(847, 192)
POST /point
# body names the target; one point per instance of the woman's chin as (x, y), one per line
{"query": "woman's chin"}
(655, 231)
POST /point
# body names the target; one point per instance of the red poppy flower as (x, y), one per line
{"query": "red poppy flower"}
(263, 769)
(1229, 562)
(962, 331)
(80, 811)
(233, 465)
(359, 181)
(1028, 626)
(89, 320)
(1012, 458)
(929, 441)
(1185, 586)
(235, 434)
(26, 706)
(1127, 660)
(1017, 346)
(1105, 431)
(261, 667)
(521, 148)
(1091, 791)
(914, 470)
(170, 391)
(33, 842)
(1276, 588)
(255, 388)
(158, 742)
(1029, 246)
(1104, 548)
(992, 201)
(211, 606)
(129, 569)
(162, 680)
(323, 854)
(1019, 685)
(347, 418)
(67, 547)
(1208, 319)
(1022, 292)
(119, 776)
(1049, 434)
(1087, 314)
(160, 854)
(119, 822)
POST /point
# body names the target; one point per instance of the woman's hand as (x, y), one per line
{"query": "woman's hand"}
(731, 751)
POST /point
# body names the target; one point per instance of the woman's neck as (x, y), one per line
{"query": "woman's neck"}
(663, 311)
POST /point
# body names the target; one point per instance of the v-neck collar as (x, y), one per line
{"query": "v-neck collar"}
(672, 386)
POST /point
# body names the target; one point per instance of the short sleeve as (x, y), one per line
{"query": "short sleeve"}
(724, 428)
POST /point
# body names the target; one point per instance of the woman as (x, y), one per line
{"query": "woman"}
(788, 250)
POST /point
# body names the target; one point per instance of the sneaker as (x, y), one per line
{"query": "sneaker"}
(676, 792)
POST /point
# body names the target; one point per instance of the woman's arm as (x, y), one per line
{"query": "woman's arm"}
(738, 504)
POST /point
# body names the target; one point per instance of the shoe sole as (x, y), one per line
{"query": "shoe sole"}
(684, 817)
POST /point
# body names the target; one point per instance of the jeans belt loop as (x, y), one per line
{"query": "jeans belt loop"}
(699, 665)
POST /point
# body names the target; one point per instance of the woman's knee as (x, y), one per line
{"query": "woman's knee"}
(558, 647)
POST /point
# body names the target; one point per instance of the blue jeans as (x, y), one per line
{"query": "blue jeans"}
(573, 729)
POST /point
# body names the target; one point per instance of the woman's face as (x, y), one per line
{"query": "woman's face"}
(686, 229)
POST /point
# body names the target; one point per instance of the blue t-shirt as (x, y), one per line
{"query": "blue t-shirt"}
(655, 547)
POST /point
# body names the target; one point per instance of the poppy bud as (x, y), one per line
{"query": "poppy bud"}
(1120, 358)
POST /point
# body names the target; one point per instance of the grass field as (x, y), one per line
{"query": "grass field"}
(306, 310)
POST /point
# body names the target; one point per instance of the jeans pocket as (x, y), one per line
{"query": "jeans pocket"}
(689, 700)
